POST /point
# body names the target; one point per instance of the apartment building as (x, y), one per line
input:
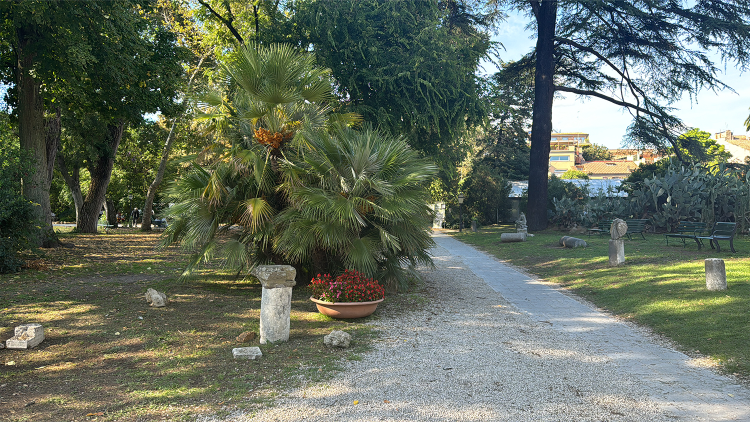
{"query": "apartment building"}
(565, 151)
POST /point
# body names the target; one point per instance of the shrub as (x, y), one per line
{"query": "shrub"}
(16, 212)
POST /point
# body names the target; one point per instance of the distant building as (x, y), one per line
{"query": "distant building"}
(565, 151)
(737, 145)
(635, 155)
(614, 169)
(727, 135)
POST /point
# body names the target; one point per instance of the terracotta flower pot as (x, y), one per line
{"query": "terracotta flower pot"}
(346, 309)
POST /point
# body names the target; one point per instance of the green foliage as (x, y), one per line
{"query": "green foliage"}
(486, 195)
(409, 67)
(558, 188)
(575, 174)
(645, 171)
(16, 212)
(697, 147)
(504, 145)
(594, 152)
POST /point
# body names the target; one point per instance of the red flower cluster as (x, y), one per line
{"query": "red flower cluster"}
(352, 286)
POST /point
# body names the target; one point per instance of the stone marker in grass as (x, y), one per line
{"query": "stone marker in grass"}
(275, 301)
(716, 274)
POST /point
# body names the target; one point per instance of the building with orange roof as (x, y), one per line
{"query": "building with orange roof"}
(611, 169)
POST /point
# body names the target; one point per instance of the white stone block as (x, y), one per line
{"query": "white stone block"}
(156, 299)
(275, 308)
(616, 252)
(716, 274)
(251, 353)
(26, 336)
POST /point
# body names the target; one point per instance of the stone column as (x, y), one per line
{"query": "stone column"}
(276, 301)
(616, 252)
(474, 226)
(716, 274)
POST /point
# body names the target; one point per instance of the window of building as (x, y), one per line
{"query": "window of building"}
(559, 158)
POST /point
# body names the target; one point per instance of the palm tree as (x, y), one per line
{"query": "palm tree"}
(288, 181)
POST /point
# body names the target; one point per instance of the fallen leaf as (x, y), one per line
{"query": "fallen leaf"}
(11, 363)
(386, 401)
(356, 401)
(95, 414)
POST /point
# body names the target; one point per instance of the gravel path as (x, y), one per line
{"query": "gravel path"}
(474, 356)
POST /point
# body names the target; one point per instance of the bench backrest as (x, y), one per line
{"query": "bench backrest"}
(724, 229)
(605, 224)
(690, 227)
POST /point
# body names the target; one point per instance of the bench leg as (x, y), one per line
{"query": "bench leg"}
(698, 241)
(718, 248)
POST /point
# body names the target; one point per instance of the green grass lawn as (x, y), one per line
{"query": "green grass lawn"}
(108, 356)
(659, 286)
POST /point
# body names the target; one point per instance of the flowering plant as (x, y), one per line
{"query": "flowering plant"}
(351, 286)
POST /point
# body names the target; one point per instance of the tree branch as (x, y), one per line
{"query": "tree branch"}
(633, 87)
(226, 22)
(610, 99)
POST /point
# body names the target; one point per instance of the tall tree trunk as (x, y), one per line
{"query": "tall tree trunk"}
(100, 175)
(149, 206)
(541, 127)
(33, 138)
(73, 181)
(111, 210)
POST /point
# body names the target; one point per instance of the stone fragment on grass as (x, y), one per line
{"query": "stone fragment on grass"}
(251, 353)
(337, 338)
(513, 237)
(572, 242)
(26, 336)
(246, 337)
(155, 298)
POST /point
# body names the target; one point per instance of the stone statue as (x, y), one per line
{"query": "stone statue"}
(618, 229)
(521, 224)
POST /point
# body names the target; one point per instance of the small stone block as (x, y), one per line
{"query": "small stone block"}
(716, 274)
(26, 336)
(251, 353)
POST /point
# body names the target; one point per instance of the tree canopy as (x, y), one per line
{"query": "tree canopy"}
(408, 66)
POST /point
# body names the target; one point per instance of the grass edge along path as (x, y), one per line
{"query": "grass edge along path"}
(659, 287)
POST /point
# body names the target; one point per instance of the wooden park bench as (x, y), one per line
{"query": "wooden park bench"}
(721, 231)
(636, 226)
(686, 230)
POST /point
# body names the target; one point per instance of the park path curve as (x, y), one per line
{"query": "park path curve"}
(495, 344)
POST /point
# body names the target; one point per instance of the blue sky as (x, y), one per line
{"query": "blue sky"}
(606, 123)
